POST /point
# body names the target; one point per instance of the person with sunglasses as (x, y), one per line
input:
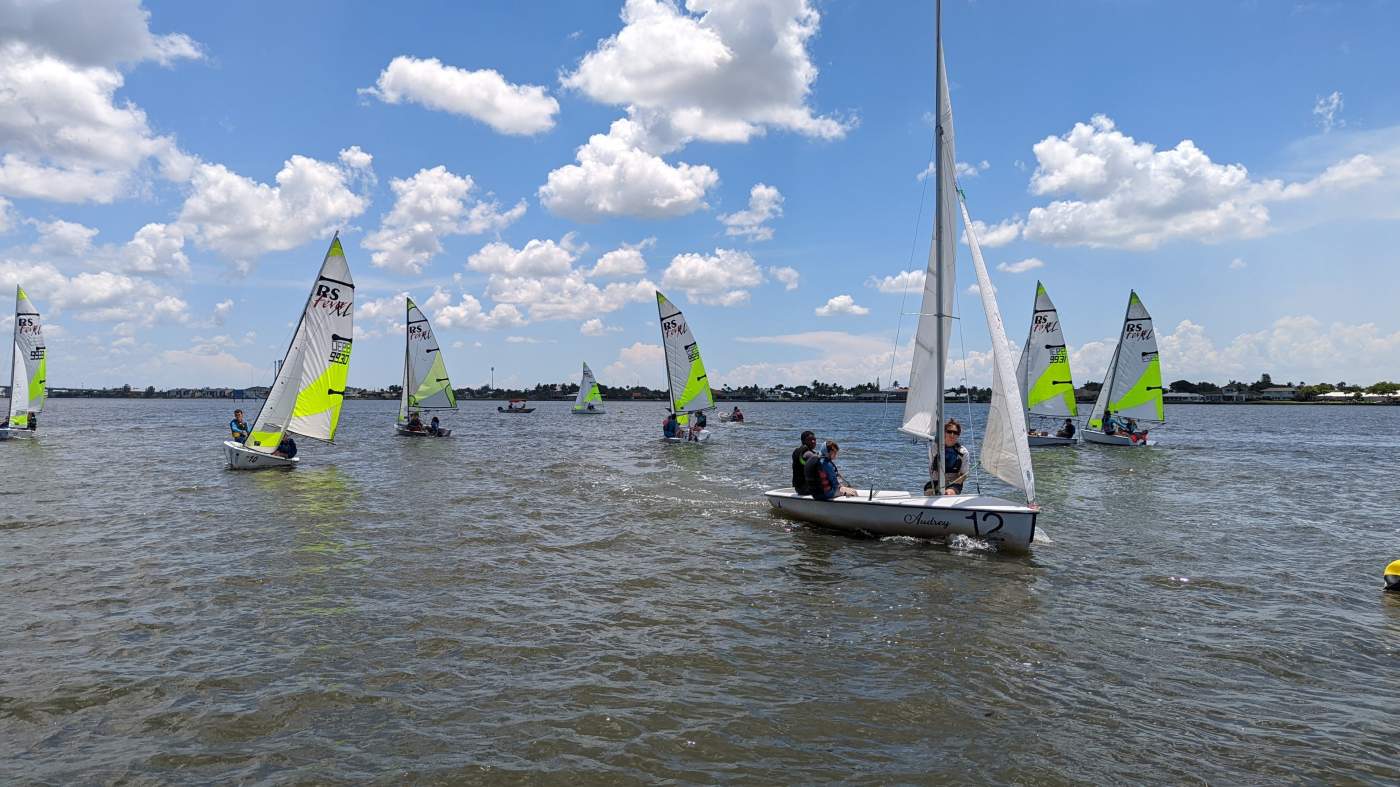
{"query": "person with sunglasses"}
(957, 462)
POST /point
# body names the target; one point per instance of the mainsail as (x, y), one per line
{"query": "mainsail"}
(688, 386)
(1005, 451)
(318, 360)
(425, 382)
(29, 368)
(923, 409)
(1133, 386)
(588, 392)
(1047, 388)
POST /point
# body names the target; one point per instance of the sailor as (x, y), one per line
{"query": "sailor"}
(435, 426)
(700, 419)
(287, 448)
(800, 455)
(1110, 423)
(824, 480)
(415, 422)
(239, 428)
(736, 415)
(671, 427)
(1067, 430)
(956, 462)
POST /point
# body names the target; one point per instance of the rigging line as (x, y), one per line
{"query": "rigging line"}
(913, 247)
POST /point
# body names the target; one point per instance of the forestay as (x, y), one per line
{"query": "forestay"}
(1047, 387)
(923, 409)
(425, 382)
(1133, 386)
(1005, 451)
(689, 387)
(325, 332)
(29, 367)
(588, 392)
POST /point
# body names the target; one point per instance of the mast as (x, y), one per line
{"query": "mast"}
(940, 362)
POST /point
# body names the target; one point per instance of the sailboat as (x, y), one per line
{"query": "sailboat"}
(1132, 388)
(687, 386)
(28, 371)
(1047, 387)
(1005, 452)
(425, 382)
(309, 390)
(590, 399)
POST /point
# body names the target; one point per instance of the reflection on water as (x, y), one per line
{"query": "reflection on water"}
(573, 594)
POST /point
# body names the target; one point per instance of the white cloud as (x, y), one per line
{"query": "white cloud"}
(1131, 195)
(718, 71)
(898, 284)
(990, 236)
(962, 168)
(470, 315)
(243, 219)
(61, 238)
(616, 177)
(536, 258)
(567, 297)
(108, 33)
(721, 279)
(626, 260)
(644, 362)
(103, 296)
(427, 206)
(976, 289)
(8, 216)
(157, 249)
(1292, 348)
(484, 95)
(64, 136)
(1327, 109)
(1028, 264)
(841, 304)
(765, 204)
(596, 327)
(527, 340)
(222, 310)
(205, 363)
(1238, 263)
(355, 158)
(785, 274)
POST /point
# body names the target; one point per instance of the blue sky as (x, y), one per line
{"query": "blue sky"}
(171, 174)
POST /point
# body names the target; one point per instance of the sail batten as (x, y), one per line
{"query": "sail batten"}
(687, 383)
(426, 385)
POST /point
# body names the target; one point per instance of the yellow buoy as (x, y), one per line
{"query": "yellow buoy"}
(1392, 576)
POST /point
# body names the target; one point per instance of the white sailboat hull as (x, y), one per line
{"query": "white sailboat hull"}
(242, 458)
(1048, 440)
(1091, 436)
(404, 431)
(702, 437)
(19, 434)
(892, 513)
(594, 411)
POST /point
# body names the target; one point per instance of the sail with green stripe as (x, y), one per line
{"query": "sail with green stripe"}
(1132, 388)
(425, 382)
(1047, 387)
(590, 399)
(309, 391)
(29, 363)
(688, 385)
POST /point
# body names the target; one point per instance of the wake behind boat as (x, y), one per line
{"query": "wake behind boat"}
(1004, 453)
(309, 391)
(1132, 387)
(687, 384)
(29, 363)
(426, 386)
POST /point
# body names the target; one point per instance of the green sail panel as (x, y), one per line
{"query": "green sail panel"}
(326, 334)
(686, 379)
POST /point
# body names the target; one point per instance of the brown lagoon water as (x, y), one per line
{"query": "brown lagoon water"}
(554, 598)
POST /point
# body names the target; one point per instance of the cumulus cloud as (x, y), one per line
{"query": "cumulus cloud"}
(721, 279)
(109, 33)
(626, 260)
(59, 238)
(786, 275)
(158, 250)
(715, 71)
(102, 296)
(484, 95)
(221, 311)
(468, 313)
(428, 206)
(540, 278)
(640, 361)
(535, 258)
(765, 204)
(990, 236)
(1127, 194)
(596, 327)
(614, 176)
(841, 304)
(1028, 264)
(962, 168)
(898, 284)
(64, 135)
(1327, 111)
(243, 219)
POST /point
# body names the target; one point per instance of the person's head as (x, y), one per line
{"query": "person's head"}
(238, 415)
(435, 419)
(951, 432)
(831, 449)
(1067, 422)
(809, 439)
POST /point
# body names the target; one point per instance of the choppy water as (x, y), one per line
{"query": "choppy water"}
(558, 598)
